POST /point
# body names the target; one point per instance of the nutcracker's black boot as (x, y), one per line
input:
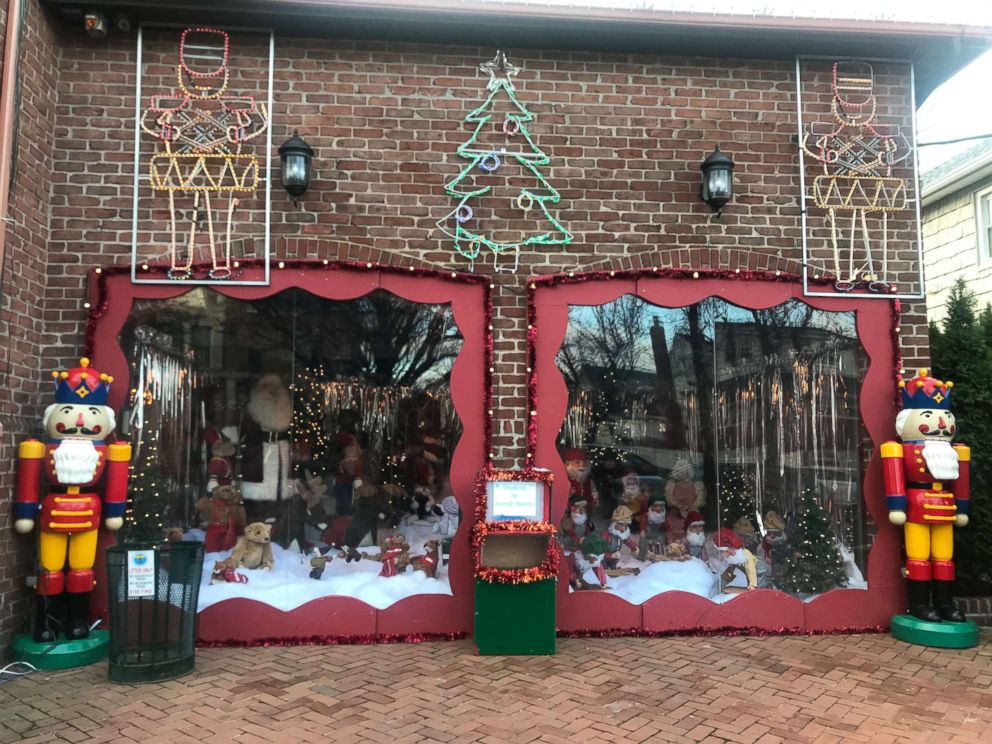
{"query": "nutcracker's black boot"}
(919, 601)
(46, 617)
(78, 626)
(943, 601)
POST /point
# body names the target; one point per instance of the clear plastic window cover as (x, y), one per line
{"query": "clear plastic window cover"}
(331, 420)
(748, 418)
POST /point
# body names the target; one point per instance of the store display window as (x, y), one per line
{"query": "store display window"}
(718, 437)
(313, 440)
(717, 449)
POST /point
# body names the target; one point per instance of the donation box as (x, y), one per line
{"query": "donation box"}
(516, 556)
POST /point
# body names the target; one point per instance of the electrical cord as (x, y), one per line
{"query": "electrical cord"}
(12, 672)
(955, 141)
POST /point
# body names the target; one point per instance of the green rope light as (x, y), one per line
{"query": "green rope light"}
(470, 241)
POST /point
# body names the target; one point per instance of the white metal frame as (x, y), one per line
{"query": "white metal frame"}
(136, 277)
(804, 196)
(983, 240)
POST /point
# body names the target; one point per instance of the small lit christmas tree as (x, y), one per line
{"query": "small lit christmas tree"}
(736, 495)
(815, 564)
(147, 500)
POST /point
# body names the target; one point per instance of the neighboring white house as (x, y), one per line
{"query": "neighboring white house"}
(957, 226)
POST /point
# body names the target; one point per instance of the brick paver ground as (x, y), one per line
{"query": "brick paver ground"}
(867, 688)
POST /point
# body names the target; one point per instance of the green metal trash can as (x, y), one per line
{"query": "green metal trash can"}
(154, 590)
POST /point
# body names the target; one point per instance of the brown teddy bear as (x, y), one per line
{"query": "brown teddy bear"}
(224, 515)
(253, 549)
(394, 553)
(429, 561)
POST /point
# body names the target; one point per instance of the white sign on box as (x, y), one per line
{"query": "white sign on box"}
(140, 573)
(515, 500)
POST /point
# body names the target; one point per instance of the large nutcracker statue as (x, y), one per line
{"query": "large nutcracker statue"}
(77, 464)
(927, 489)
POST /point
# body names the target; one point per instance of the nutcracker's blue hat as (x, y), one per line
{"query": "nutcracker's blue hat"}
(924, 391)
(82, 385)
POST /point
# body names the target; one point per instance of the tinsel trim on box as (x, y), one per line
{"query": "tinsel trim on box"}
(548, 569)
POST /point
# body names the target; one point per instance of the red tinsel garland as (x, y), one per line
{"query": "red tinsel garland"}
(724, 631)
(490, 473)
(336, 640)
(896, 353)
(376, 638)
(549, 567)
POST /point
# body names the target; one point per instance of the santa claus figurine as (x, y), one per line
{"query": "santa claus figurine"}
(634, 495)
(653, 536)
(684, 494)
(732, 562)
(578, 468)
(265, 455)
(77, 463)
(927, 487)
(589, 557)
(618, 536)
(695, 535)
(576, 525)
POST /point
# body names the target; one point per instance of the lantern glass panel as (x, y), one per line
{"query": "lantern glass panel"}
(294, 170)
(718, 181)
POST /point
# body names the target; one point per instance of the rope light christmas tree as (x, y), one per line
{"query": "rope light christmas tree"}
(462, 224)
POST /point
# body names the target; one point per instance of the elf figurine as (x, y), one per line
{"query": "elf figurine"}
(927, 489)
(77, 465)
(653, 537)
(576, 524)
(617, 536)
(579, 470)
(589, 557)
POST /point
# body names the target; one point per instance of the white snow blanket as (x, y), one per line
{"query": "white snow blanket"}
(692, 576)
(288, 585)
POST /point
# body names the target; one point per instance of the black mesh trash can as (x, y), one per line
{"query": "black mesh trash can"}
(154, 589)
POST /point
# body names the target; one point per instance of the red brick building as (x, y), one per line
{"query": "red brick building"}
(626, 105)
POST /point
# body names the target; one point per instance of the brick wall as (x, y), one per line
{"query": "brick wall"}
(23, 280)
(625, 135)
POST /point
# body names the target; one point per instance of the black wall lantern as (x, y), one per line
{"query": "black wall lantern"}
(295, 156)
(718, 180)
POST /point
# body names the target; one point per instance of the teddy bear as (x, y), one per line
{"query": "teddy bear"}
(394, 554)
(429, 561)
(224, 515)
(253, 549)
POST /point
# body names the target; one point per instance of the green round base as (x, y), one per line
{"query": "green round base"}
(62, 654)
(938, 635)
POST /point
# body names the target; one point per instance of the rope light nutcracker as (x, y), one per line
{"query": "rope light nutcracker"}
(927, 486)
(202, 159)
(77, 465)
(857, 180)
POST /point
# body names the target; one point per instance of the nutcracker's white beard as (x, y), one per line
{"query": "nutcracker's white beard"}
(737, 558)
(623, 535)
(695, 539)
(584, 564)
(655, 517)
(942, 460)
(579, 518)
(75, 461)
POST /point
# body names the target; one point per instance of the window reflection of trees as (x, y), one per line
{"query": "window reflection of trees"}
(768, 393)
